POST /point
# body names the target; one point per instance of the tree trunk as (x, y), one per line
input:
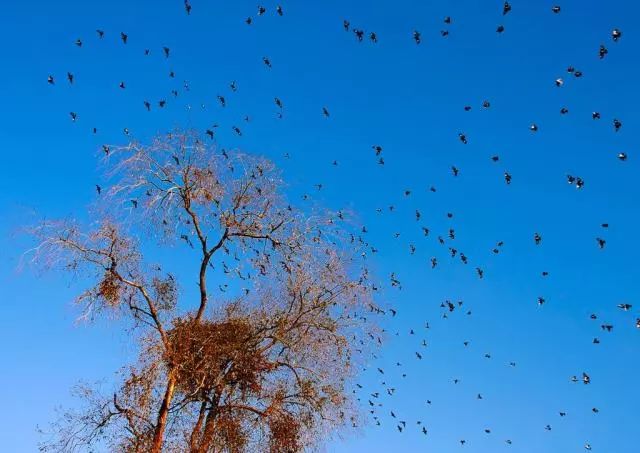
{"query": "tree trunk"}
(163, 413)
(196, 432)
(207, 436)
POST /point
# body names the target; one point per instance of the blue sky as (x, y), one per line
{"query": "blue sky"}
(408, 99)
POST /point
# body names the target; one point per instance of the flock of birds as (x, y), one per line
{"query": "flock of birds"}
(371, 400)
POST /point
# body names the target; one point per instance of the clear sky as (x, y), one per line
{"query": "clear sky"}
(409, 99)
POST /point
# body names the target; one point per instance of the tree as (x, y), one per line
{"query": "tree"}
(265, 364)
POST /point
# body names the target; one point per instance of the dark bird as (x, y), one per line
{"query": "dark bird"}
(166, 51)
(602, 52)
(187, 7)
(124, 37)
(617, 124)
(417, 37)
(537, 238)
(506, 8)
(51, 80)
(555, 9)
(325, 112)
(616, 35)
(98, 189)
(266, 62)
(100, 33)
(500, 29)
(279, 10)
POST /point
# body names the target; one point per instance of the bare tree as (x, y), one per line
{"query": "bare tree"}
(261, 363)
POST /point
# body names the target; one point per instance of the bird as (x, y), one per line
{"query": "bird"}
(617, 124)
(417, 37)
(506, 8)
(166, 51)
(124, 37)
(267, 62)
(602, 52)
(616, 34)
